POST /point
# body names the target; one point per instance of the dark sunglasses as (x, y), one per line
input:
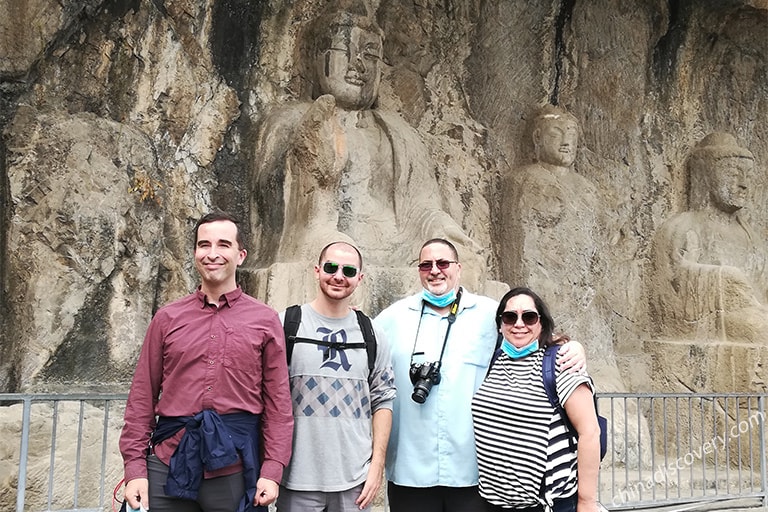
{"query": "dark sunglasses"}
(426, 266)
(528, 317)
(331, 268)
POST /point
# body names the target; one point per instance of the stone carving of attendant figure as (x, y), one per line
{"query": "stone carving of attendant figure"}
(553, 236)
(335, 167)
(710, 276)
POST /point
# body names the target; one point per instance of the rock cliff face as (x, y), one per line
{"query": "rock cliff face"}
(124, 121)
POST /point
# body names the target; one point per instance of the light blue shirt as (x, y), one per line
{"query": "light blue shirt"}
(433, 443)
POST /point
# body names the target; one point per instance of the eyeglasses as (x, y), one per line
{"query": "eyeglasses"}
(331, 268)
(426, 266)
(528, 317)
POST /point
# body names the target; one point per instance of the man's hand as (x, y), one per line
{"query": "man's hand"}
(266, 492)
(371, 487)
(137, 493)
(571, 357)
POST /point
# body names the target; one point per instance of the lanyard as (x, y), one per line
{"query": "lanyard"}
(451, 318)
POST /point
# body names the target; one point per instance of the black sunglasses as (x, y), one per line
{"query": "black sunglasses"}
(331, 268)
(426, 266)
(528, 317)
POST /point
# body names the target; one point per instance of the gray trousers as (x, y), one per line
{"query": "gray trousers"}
(317, 501)
(220, 494)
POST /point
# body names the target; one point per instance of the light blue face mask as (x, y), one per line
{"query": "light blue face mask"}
(519, 353)
(439, 301)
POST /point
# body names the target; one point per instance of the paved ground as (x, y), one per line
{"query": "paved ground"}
(732, 506)
(701, 508)
(666, 509)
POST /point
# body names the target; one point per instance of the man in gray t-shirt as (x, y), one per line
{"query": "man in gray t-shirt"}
(342, 408)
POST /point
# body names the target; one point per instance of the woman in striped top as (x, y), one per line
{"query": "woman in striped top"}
(523, 449)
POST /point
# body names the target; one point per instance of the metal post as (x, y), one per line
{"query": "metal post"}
(23, 454)
(761, 423)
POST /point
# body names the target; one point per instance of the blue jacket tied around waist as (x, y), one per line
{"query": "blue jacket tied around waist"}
(211, 442)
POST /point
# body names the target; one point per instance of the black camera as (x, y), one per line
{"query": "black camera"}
(423, 377)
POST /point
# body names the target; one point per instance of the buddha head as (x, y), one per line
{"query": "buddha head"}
(719, 171)
(346, 50)
(555, 136)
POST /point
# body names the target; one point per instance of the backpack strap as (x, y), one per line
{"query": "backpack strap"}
(290, 328)
(496, 353)
(369, 337)
(550, 386)
(291, 324)
(549, 373)
(548, 370)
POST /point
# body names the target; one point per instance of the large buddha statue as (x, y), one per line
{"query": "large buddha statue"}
(710, 278)
(335, 167)
(554, 236)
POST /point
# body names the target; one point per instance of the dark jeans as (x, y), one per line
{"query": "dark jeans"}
(434, 499)
(564, 505)
(220, 494)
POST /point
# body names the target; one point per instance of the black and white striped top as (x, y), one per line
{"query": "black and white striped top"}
(519, 435)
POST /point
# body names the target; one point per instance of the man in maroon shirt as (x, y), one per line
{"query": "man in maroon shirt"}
(208, 422)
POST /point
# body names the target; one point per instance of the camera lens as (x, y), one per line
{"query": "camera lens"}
(421, 391)
(423, 376)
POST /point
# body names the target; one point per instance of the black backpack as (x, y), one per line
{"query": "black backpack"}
(291, 327)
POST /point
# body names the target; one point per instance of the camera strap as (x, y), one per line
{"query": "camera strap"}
(451, 318)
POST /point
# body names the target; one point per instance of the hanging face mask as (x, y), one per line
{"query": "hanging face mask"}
(439, 301)
(519, 353)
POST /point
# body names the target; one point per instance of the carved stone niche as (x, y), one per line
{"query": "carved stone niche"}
(709, 292)
(333, 166)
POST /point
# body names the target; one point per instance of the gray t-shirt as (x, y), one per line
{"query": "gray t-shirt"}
(334, 398)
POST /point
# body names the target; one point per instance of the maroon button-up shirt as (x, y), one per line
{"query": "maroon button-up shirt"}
(196, 356)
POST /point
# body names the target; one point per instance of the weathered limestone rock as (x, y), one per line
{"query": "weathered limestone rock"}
(83, 246)
(118, 129)
(646, 80)
(20, 33)
(707, 367)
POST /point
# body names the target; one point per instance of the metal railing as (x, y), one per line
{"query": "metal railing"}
(675, 449)
(67, 453)
(664, 450)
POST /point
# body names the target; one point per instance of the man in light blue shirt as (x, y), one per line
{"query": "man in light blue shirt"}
(441, 342)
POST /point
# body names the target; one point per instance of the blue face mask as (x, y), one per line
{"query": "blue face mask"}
(439, 301)
(519, 353)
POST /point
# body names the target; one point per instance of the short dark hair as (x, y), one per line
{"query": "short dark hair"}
(444, 242)
(325, 249)
(546, 338)
(217, 216)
